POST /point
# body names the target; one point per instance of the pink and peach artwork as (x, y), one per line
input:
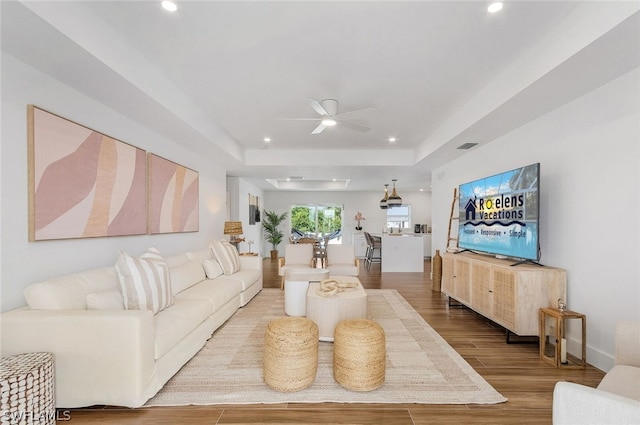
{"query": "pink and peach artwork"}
(82, 183)
(173, 197)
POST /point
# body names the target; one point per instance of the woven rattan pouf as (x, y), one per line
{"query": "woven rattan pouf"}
(359, 355)
(27, 382)
(290, 354)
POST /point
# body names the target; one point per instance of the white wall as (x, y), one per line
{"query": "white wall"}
(240, 189)
(365, 202)
(25, 262)
(590, 188)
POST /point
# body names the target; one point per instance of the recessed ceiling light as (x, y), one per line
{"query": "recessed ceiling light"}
(329, 122)
(392, 139)
(267, 139)
(495, 7)
(169, 5)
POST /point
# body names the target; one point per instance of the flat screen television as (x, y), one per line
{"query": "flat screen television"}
(499, 214)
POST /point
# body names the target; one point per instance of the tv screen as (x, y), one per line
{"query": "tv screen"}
(499, 214)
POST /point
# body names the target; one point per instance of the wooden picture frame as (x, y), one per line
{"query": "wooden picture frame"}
(173, 196)
(82, 183)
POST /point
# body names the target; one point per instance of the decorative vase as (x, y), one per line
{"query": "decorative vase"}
(274, 254)
(437, 271)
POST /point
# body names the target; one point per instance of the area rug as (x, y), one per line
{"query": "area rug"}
(421, 367)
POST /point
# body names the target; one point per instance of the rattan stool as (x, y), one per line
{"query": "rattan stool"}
(27, 383)
(290, 354)
(359, 355)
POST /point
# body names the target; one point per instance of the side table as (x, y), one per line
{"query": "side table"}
(557, 355)
(27, 383)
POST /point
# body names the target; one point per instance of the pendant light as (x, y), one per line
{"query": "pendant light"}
(383, 201)
(394, 200)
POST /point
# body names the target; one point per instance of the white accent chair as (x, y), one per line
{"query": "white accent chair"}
(616, 400)
(342, 260)
(296, 256)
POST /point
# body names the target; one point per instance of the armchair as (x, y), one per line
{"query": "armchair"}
(342, 260)
(616, 400)
(296, 256)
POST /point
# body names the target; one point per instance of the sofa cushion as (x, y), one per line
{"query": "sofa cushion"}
(111, 299)
(176, 322)
(204, 254)
(212, 268)
(218, 291)
(145, 281)
(185, 276)
(622, 380)
(244, 278)
(227, 256)
(69, 292)
(177, 259)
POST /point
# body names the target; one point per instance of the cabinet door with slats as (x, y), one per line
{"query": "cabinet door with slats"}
(504, 297)
(462, 280)
(481, 288)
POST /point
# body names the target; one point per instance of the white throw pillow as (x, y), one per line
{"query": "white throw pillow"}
(111, 299)
(227, 256)
(212, 268)
(144, 281)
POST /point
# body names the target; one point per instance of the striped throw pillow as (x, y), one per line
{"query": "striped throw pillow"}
(144, 281)
(226, 255)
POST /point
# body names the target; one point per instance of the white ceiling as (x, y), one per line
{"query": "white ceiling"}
(219, 76)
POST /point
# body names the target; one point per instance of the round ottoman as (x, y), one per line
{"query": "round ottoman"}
(290, 354)
(27, 382)
(359, 355)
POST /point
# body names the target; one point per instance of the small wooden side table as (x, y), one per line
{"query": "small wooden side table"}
(557, 355)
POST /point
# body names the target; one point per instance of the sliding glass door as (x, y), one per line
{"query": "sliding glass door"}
(317, 221)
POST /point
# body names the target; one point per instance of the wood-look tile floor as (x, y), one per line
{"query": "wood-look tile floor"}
(515, 370)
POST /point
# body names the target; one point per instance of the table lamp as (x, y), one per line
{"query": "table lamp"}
(233, 228)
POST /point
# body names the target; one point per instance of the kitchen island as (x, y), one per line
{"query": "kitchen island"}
(402, 253)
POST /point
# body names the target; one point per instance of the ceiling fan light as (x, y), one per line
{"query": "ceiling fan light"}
(329, 122)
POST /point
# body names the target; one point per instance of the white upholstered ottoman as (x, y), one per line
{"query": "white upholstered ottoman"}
(327, 311)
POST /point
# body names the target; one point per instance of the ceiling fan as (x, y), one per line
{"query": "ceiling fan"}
(329, 116)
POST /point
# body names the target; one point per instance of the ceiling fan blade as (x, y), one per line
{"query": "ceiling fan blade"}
(319, 129)
(354, 111)
(353, 126)
(317, 107)
(299, 119)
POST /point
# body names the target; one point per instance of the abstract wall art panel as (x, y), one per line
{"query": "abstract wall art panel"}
(173, 197)
(82, 183)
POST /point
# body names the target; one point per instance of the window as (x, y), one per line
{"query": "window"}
(399, 217)
(316, 221)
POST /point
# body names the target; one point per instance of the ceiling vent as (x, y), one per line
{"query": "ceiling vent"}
(467, 146)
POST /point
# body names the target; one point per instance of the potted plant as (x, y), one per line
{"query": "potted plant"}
(273, 235)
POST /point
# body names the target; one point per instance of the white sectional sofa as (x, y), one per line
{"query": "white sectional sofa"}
(108, 355)
(616, 400)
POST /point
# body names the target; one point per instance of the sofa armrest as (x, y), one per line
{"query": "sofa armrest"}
(101, 357)
(628, 343)
(575, 404)
(250, 262)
